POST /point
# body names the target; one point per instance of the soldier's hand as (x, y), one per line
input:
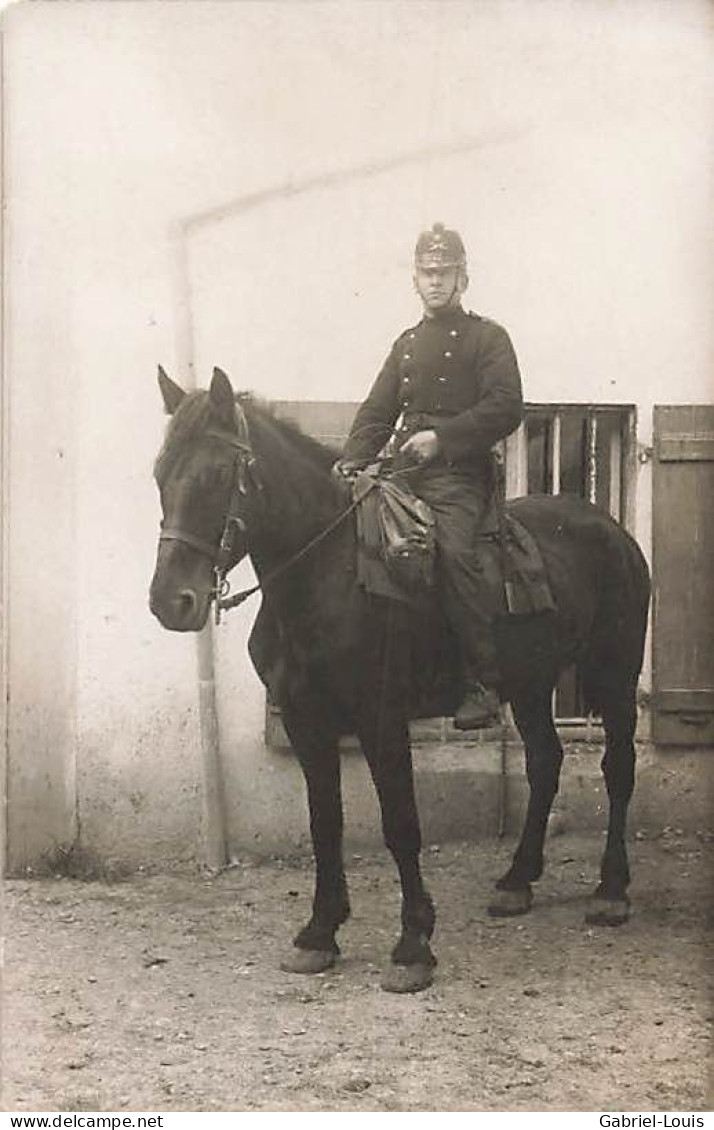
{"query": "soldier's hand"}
(346, 469)
(422, 446)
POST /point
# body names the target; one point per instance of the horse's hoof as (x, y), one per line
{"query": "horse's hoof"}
(607, 912)
(407, 978)
(509, 904)
(307, 961)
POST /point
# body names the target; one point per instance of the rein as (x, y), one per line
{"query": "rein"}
(224, 602)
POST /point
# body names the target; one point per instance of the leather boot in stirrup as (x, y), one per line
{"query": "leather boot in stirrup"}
(480, 708)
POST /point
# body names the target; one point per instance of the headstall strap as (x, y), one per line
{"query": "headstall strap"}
(244, 475)
(175, 534)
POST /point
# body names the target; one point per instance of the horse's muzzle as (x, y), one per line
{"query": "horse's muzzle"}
(185, 610)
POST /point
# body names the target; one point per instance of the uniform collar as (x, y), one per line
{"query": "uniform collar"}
(448, 318)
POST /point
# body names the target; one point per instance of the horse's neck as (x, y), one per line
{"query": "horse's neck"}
(304, 546)
(299, 503)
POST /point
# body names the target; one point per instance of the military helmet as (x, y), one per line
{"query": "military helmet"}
(439, 248)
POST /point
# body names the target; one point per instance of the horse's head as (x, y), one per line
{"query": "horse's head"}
(204, 476)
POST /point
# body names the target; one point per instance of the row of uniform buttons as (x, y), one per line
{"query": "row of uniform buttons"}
(407, 357)
(447, 353)
(406, 378)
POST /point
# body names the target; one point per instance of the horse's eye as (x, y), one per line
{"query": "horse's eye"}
(209, 480)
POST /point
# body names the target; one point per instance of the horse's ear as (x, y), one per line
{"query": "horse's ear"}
(170, 391)
(223, 397)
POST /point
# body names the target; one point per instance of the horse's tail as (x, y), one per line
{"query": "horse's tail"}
(613, 657)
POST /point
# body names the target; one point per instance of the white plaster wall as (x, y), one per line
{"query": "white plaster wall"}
(301, 147)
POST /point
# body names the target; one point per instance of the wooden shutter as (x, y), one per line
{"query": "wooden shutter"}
(683, 573)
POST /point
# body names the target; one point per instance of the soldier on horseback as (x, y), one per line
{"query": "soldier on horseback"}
(448, 391)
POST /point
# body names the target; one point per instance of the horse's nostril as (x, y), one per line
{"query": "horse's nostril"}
(187, 602)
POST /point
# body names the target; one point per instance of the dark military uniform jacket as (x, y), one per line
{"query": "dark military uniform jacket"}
(457, 374)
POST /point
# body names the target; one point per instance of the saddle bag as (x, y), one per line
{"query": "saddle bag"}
(396, 530)
(408, 536)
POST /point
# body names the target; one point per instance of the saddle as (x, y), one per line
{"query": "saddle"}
(511, 557)
(396, 550)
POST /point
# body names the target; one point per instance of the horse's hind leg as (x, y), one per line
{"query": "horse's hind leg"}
(315, 744)
(533, 716)
(610, 905)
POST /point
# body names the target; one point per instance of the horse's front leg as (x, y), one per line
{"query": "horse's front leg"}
(385, 741)
(315, 743)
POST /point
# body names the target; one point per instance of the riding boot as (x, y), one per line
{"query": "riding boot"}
(481, 705)
(480, 708)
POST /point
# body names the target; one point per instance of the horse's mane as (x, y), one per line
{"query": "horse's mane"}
(321, 455)
(286, 455)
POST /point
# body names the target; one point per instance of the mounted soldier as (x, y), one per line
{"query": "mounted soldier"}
(448, 391)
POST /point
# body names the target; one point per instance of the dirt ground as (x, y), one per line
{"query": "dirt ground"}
(162, 991)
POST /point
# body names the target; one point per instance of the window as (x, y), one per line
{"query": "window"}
(586, 450)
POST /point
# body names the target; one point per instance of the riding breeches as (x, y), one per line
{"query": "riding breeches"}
(459, 503)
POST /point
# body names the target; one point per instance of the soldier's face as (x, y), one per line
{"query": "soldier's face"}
(437, 286)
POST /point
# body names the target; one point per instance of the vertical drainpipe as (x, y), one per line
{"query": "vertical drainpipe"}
(4, 495)
(215, 853)
(214, 818)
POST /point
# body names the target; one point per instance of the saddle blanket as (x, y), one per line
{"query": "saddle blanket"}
(515, 579)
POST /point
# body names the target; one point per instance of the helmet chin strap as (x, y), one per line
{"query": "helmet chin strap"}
(457, 289)
(454, 290)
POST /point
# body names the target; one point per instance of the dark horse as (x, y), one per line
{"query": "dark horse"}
(341, 661)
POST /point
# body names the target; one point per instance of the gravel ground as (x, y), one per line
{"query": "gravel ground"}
(161, 991)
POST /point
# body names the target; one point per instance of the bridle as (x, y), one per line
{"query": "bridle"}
(244, 474)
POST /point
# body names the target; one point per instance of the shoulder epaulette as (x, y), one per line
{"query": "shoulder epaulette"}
(491, 322)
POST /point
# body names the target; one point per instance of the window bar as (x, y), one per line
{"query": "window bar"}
(517, 463)
(629, 469)
(615, 505)
(591, 465)
(591, 492)
(555, 431)
(555, 448)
